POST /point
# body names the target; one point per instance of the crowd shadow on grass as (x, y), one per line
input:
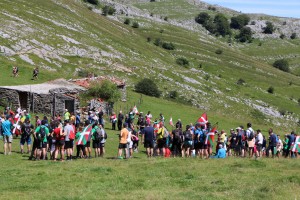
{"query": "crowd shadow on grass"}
(116, 158)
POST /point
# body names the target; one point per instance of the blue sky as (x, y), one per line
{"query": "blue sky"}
(286, 8)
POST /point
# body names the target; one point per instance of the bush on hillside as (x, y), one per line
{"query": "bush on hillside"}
(182, 62)
(105, 90)
(282, 64)
(135, 25)
(221, 25)
(202, 18)
(282, 36)
(239, 21)
(245, 34)
(212, 8)
(219, 51)
(270, 90)
(157, 42)
(168, 45)
(269, 29)
(127, 21)
(148, 87)
(293, 36)
(108, 10)
(173, 94)
(94, 2)
(166, 18)
(241, 81)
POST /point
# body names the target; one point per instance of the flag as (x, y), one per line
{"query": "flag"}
(210, 137)
(16, 125)
(135, 110)
(296, 145)
(203, 119)
(171, 122)
(85, 134)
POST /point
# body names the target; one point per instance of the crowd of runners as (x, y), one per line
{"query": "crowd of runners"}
(73, 136)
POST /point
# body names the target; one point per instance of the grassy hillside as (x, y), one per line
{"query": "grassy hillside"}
(62, 37)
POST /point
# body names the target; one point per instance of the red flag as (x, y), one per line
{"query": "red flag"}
(203, 119)
(210, 137)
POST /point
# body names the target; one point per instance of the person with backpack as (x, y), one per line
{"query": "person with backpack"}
(272, 143)
(232, 145)
(96, 138)
(285, 146)
(203, 146)
(102, 141)
(196, 139)
(69, 133)
(120, 120)
(259, 143)
(40, 134)
(250, 139)
(60, 141)
(26, 131)
(177, 142)
(80, 147)
(188, 141)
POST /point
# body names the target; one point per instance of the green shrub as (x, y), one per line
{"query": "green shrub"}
(173, 94)
(166, 18)
(241, 81)
(135, 25)
(239, 21)
(219, 51)
(94, 2)
(202, 18)
(269, 29)
(149, 39)
(108, 10)
(212, 8)
(293, 36)
(282, 64)
(157, 42)
(182, 61)
(245, 34)
(127, 21)
(168, 46)
(270, 90)
(221, 25)
(105, 90)
(148, 87)
(282, 36)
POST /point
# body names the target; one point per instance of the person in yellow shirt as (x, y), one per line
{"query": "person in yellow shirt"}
(160, 140)
(123, 141)
(67, 115)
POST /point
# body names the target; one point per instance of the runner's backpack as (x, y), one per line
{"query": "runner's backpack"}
(27, 130)
(251, 135)
(72, 134)
(188, 135)
(42, 133)
(98, 134)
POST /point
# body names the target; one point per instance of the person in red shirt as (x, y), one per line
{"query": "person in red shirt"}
(60, 141)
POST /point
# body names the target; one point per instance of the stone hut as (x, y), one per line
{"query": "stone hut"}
(48, 98)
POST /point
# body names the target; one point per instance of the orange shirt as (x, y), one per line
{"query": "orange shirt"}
(123, 136)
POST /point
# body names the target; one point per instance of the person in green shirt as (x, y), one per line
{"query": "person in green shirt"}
(40, 135)
(80, 146)
(286, 146)
(96, 139)
(67, 115)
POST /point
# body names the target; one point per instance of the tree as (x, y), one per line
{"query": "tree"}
(202, 18)
(222, 25)
(148, 87)
(127, 21)
(270, 90)
(108, 10)
(239, 21)
(269, 29)
(293, 36)
(105, 90)
(245, 34)
(282, 64)
(135, 25)
(94, 2)
(182, 61)
(168, 46)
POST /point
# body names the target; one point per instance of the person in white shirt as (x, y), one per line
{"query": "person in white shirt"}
(259, 143)
(279, 146)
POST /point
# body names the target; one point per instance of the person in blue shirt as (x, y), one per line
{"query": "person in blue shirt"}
(7, 135)
(221, 152)
(197, 143)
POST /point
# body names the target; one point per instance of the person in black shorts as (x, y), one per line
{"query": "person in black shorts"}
(148, 138)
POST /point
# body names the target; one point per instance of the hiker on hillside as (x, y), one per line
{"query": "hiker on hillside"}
(221, 153)
(60, 141)
(160, 150)
(96, 137)
(250, 139)
(113, 120)
(272, 143)
(120, 120)
(67, 115)
(259, 143)
(69, 133)
(26, 131)
(35, 73)
(188, 141)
